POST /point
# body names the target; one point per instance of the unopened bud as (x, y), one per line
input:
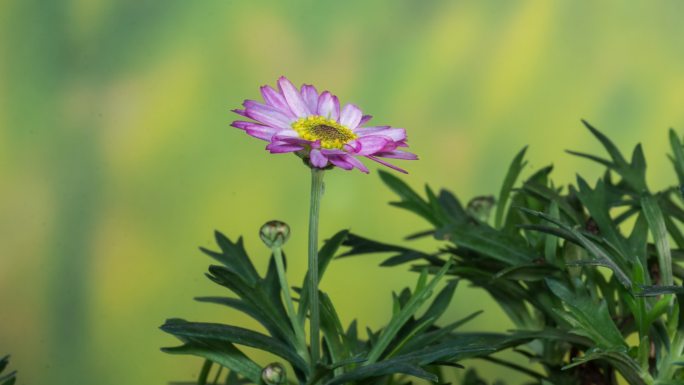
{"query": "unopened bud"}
(274, 233)
(274, 374)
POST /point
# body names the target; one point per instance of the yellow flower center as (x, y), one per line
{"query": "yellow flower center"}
(329, 132)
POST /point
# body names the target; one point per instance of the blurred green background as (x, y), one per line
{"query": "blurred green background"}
(117, 161)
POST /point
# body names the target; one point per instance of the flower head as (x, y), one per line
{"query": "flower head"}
(313, 126)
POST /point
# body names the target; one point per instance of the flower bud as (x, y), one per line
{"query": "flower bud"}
(274, 374)
(274, 233)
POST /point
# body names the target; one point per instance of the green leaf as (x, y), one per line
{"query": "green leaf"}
(234, 257)
(244, 307)
(654, 291)
(399, 319)
(514, 170)
(218, 333)
(360, 245)
(410, 199)
(224, 354)
(528, 272)
(8, 378)
(507, 248)
(654, 217)
(625, 364)
(597, 203)
(677, 156)
(602, 258)
(332, 329)
(588, 317)
(266, 308)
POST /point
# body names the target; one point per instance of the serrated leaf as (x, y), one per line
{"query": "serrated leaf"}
(656, 224)
(514, 170)
(588, 317)
(224, 354)
(407, 311)
(410, 199)
(234, 257)
(218, 333)
(483, 239)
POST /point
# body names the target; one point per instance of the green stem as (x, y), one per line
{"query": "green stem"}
(204, 373)
(296, 326)
(316, 192)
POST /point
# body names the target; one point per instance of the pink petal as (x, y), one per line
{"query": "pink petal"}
(317, 159)
(369, 145)
(396, 134)
(387, 164)
(350, 116)
(310, 96)
(279, 148)
(293, 97)
(261, 132)
(398, 155)
(325, 105)
(241, 124)
(333, 151)
(341, 162)
(356, 163)
(365, 119)
(256, 130)
(335, 114)
(241, 113)
(266, 114)
(275, 99)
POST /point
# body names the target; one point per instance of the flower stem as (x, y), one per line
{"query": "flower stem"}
(285, 287)
(316, 192)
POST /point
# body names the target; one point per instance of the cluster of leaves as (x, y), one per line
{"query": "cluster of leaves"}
(410, 345)
(588, 274)
(7, 378)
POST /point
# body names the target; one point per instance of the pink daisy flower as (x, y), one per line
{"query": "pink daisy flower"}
(313, 126)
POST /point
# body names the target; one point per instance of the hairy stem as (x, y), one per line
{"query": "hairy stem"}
(316, 192)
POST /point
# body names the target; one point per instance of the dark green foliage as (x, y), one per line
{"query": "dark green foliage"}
(411, 344)
(587, 272)
(6, 378)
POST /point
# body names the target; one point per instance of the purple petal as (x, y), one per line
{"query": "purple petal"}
(335, 114)
(261, 132)
(387, 164)
(333, 151)
(293, 97)
(241, 124)
(369, 145)
(317, 159)
(341, 162)
(398, 155)
(350, 116)
(396, 134)
(285, 137)
(310, 96)
(241, 113)
(356, 163)
(266, 114)
(326, 106)
(275, 99)
(365, 119)
(256, 130)
(279, 148)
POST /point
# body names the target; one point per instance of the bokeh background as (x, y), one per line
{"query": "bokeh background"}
(117, 159)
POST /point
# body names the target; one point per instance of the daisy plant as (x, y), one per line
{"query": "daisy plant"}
(326, 136)
(590, 273)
